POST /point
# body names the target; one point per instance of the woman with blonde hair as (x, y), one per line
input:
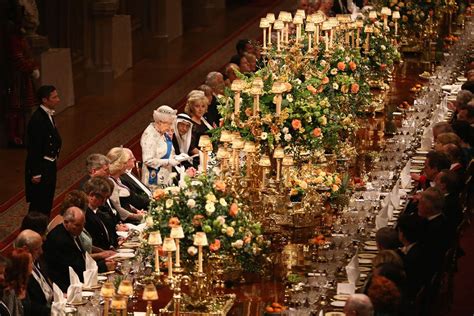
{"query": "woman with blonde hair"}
(196, 107)
(120, 196)
(157, 148)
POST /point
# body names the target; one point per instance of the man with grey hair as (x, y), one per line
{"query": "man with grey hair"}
(97, 165)
(39, 289)
(215, 80)
(358, 305)
(63, 248)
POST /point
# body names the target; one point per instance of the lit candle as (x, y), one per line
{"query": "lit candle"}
(154, 239)
(264, 163)
(200, 240)
(204, 144)
(310, 27)
(264, 25)
(395, 17)
(359, 25)
(177, 233)
(237, 86)
(169, 246)
(278, 26)
(271, 20)
(326, 27)
(278, 154)
(385, 13)
(278, 88)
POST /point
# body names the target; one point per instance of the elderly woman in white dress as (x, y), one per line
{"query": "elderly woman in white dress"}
(157, 148)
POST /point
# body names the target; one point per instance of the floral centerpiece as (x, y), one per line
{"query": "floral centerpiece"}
(205, 204)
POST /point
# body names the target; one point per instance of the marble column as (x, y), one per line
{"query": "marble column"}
(165, 24)
(100, 72)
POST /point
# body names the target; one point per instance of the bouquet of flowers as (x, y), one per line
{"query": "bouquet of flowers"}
(205, 204)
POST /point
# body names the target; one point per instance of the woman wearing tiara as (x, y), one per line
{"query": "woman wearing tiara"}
(157, 149)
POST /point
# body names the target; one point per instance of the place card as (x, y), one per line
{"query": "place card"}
(345, 288)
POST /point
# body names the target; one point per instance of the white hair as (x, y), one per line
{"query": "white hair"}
(164, 114)
(360, 305)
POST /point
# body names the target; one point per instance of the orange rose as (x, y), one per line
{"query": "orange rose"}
(173, 222)
(341, 66)
(197, 220)
(248, 111)
(296, 124)
(216, 245)
(352, 65)
(320, 89)
(355, 88)
(219, 185)
(233, 210)
(311, 89)
(158, 194)
(325, 80)
(247, 239)
(344, 89)
(317, 132)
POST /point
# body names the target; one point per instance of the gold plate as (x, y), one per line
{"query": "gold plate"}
(370, 243)
(95, 287)
(83, 302)
(334, 314)
(338, 303)
(365, 261)
(131, 244)
(341, 297)
(364, 269)
(371, 248)
(367, 255)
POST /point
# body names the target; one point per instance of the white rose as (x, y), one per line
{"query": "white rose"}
(210, 208)
(169, 203)
(192, 251)
(238, 244)
(335, 86)
(323, 63)
(191, 203)
(278, 137)
(334, 71)
(222, 202)
(211, 198)
(285, 130)
(221, 219)
(264, 135)
(298, 81)
(382, 47)
(287, 137)
(173, 190)
(149, 221)
(196, 183)
(289, 97)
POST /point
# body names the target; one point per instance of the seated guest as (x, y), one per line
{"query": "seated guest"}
(434, 163)
(440, 128)
(326, 7)
(103, 234)
(387, 239)
(466, 134)
(230, 75)
(142, 194)
(97, 165)
(215, 80)
(437, 237)
(457, 159)
(196, 107)
(121, 196)
(462, 99)
(39, 289)
(63, 249)
(252, 60)
(183, 136)
(358, 305)
(385, 296)
(3, 266)
(467, 113)
(447, 181)
(412, 254)
(17, 274)
(207, 91)
(242, 46)
(446, 138)
(157, 148)
(35, 221)
(244, 64)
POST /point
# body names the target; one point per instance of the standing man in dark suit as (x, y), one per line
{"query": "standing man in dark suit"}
(39, 288)
(43, 144)
(63, 248)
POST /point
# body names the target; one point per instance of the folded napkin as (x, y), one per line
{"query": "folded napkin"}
(352, 269)
(405, 177)
(91, 273)
(74, 291)
(381, 220)
(139, 227)
(59, 302)
(395, 196)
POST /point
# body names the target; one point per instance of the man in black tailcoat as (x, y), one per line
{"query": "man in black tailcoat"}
(43, 144)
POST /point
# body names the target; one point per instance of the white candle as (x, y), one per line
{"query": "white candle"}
(170, 265)
(278, 40)
(237, 103)
(326, 40)
(316, 35)
(200, 259)
(264, 38)
(270, 34)
(178, 255)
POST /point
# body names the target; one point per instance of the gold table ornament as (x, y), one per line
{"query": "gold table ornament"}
(149, 294)
(217, 306)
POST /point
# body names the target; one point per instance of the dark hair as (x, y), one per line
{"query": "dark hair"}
(35, 221)
(438, 160)
(470, 111)
(468, 85)
(464, 130)
(74, 198)
(451, 180)
(453, 152)
(387, 238)
(240, 46)
(17, 273)
(411, 227)
(393, 272)
(44, 92)
(97, 185)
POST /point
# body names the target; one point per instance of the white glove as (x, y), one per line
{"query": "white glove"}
(173, 162)
(36, 74)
